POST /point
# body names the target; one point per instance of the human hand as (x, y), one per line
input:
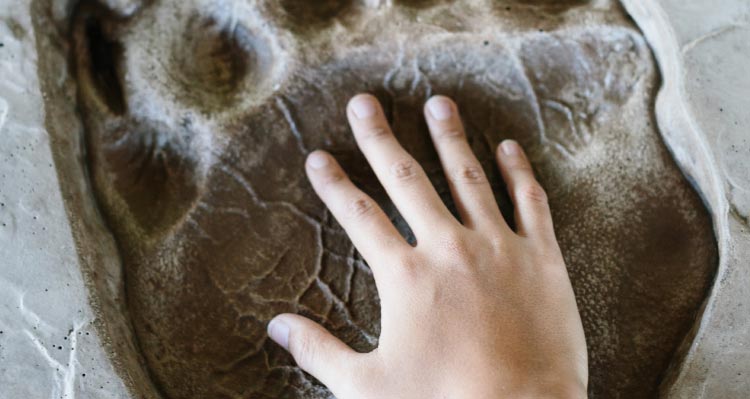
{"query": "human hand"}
(474, 309)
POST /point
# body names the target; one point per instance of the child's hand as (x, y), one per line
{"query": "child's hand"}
(474, 310)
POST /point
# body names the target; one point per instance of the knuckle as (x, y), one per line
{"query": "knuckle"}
(533, 192)
(331, 179)
(518, 164)
(450, 133)
(303, 348)
(405, 169)
(470, 174)
(359, 208)
(455, 246)
(375, 132)
(409, 268)
(498, 244)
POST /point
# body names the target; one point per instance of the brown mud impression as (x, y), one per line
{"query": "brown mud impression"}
(199, 115)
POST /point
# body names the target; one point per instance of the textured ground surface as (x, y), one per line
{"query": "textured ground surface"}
(62, 335)
(702, 113)
(199, 115)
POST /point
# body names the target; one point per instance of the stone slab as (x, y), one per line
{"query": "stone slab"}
(51, 328)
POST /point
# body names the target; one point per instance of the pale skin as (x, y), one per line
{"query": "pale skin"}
(474, 309)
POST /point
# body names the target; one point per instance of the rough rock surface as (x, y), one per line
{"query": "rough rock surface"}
(61, 273)
(702, 112)
(49, 341)
(199, 115)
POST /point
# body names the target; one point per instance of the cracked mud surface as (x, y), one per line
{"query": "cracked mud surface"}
(199, 115)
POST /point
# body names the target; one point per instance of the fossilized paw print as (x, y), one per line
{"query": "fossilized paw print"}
(199, 115)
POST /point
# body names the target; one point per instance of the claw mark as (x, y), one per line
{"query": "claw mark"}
(537, 107)
(393, 71)
(419, 77)
(569, 117)
(537, 104)
(580, 136)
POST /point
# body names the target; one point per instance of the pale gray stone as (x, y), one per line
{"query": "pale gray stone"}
(232, 112)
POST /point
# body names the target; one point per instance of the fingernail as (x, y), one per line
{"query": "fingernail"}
(318, 160)
(363, 107)
(440, 108)
(279, 332)
(510, 147)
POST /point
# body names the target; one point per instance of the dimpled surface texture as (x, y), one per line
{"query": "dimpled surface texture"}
(199, 115)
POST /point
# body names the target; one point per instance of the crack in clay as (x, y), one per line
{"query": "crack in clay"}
(689, 46)
(65, 374)
(3, 111)
(292, 125)
(263, 203)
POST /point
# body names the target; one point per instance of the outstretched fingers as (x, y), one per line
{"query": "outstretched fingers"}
(364, 221)
(533, 216)
(402, 177)
(469, 186)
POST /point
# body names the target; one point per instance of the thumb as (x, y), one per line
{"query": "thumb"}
(314, 349)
